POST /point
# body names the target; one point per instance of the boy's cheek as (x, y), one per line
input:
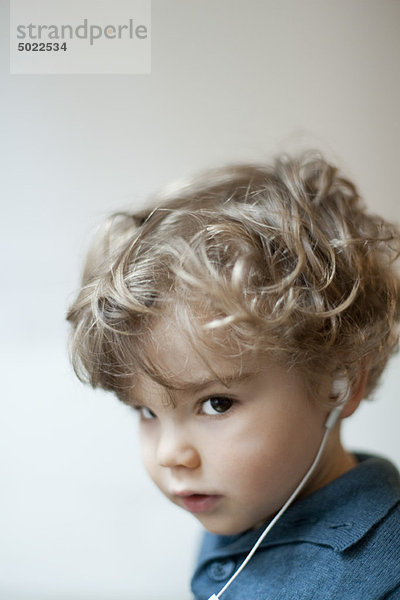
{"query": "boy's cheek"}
(154, 474)
(148, 458)
(152, 468)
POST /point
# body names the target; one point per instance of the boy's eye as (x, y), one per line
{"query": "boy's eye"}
(145, 413)
(216, 405)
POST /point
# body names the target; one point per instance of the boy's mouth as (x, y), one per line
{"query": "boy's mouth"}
(199, 503)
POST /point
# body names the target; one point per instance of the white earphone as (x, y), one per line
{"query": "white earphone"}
(341, 392)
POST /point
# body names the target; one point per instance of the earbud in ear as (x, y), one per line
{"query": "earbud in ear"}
(340, 388)
(340, 391)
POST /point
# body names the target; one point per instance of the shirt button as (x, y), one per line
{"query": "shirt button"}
(221, 569)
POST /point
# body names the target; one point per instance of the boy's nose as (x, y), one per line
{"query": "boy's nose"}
(174, 450)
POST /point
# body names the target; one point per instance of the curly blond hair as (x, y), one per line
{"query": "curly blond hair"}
(284, 259)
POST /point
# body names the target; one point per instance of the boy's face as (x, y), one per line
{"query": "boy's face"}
(230, 454)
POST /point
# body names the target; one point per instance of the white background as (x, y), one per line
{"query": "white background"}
(231, 80)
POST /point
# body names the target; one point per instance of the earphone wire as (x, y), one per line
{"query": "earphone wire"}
(331, 421)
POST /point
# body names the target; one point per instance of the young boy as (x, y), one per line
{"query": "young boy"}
(244, 316)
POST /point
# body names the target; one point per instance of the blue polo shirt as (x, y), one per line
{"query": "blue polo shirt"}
(340, 543)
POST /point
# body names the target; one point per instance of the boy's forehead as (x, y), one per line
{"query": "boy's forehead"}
(177, 359)
(188, 359)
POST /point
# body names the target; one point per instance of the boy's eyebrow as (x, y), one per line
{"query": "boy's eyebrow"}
(198, 386)
(226, 380)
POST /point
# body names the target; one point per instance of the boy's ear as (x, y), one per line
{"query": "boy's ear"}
(357, 393)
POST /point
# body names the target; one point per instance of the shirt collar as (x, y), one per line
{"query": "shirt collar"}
(337, 515)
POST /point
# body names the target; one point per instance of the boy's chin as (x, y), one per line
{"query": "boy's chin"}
(220, 526)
